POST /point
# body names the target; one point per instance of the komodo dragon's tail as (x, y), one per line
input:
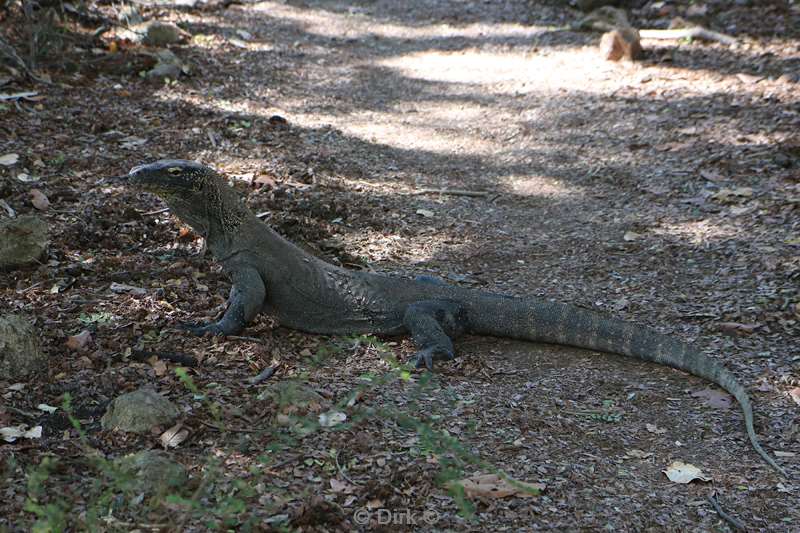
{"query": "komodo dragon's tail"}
(539, 321)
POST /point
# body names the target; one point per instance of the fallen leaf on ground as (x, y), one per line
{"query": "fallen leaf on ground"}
(631, 236)
(736, 328)
(80, 341)
(638, 454)
(46, 408)
(12, 433)
(652, 428)
(494, 486)
(331, 418)
(341, 487)
(39, 200)
(794, 394)
(121, 288)
(714, 397)
(174, 436)
(427, 213)
(8, 159)
(159, 367)
(680, 472)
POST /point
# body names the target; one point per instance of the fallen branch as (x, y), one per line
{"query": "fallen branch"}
(8, 51)
(451, 192)
(143, 355)
(695, 32)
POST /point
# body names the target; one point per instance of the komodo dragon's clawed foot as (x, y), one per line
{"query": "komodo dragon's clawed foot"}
(200, 329)
(426, 357)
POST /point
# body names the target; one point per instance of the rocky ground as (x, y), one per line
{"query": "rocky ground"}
(664, 191)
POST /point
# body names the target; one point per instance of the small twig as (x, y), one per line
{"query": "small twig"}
(695, 32)
(8, 209)
(451, 192)
(181, 359)
(264, 375)
(156, 212)
(234, 430)
(722, 514)
(245, 339)
(23, 291)
(26, 414)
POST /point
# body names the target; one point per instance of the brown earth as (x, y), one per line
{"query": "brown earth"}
(666, 192)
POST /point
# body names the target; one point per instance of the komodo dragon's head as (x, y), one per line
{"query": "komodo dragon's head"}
(195, 193)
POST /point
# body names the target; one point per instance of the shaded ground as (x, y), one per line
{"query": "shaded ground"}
(665, 192)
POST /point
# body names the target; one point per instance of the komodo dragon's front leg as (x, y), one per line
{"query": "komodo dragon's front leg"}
(433, 324)
(244, 303)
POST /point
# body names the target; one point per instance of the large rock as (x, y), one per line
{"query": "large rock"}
(139, 411)
(152, 472)
(23, 241)
(20, 353)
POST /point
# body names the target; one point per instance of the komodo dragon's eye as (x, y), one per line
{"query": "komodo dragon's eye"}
(174, 170)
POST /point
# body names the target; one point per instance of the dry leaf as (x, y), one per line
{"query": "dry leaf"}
(160, 367)
(9, 159)
(794, 394)
(46, 408)
(39, 200)
(341, 487)
(715, 398)
(121, 288)
(80, 341)
(12, 433)
(427, 213)
(652, 428)
(638, 454)
(174, 436)
(494, 486)
(331, 418)
(680, 472)
(631, 236)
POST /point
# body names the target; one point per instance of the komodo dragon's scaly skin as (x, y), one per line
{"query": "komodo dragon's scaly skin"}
(272, 275)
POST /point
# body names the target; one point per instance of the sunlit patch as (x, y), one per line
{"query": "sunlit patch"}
(507, 72)
(542, 186)
(698, 232)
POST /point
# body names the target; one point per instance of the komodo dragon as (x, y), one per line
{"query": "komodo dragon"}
(270, 274)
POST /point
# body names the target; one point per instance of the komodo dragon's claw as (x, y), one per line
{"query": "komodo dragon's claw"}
(426, 357)
(200, 329)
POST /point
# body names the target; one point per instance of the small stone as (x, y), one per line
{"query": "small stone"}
(23, 241)
(139, 411)
(152, 472)
(21, 355)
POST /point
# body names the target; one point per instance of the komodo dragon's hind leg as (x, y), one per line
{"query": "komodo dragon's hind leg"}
(433, 324)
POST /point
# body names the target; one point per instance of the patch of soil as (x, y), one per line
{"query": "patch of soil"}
(663, 192)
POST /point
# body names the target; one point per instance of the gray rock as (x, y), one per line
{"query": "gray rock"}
(168, 66)
(23, 241)
(164, 70)
(139, 411)
(21, 355)
(152, 472)
(154, 33)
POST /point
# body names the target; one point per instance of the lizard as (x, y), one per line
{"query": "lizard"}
(272, 275)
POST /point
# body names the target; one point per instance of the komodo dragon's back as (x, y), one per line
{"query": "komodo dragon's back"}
(271, 274)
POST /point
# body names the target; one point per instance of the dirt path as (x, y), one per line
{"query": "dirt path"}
(664, 192)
